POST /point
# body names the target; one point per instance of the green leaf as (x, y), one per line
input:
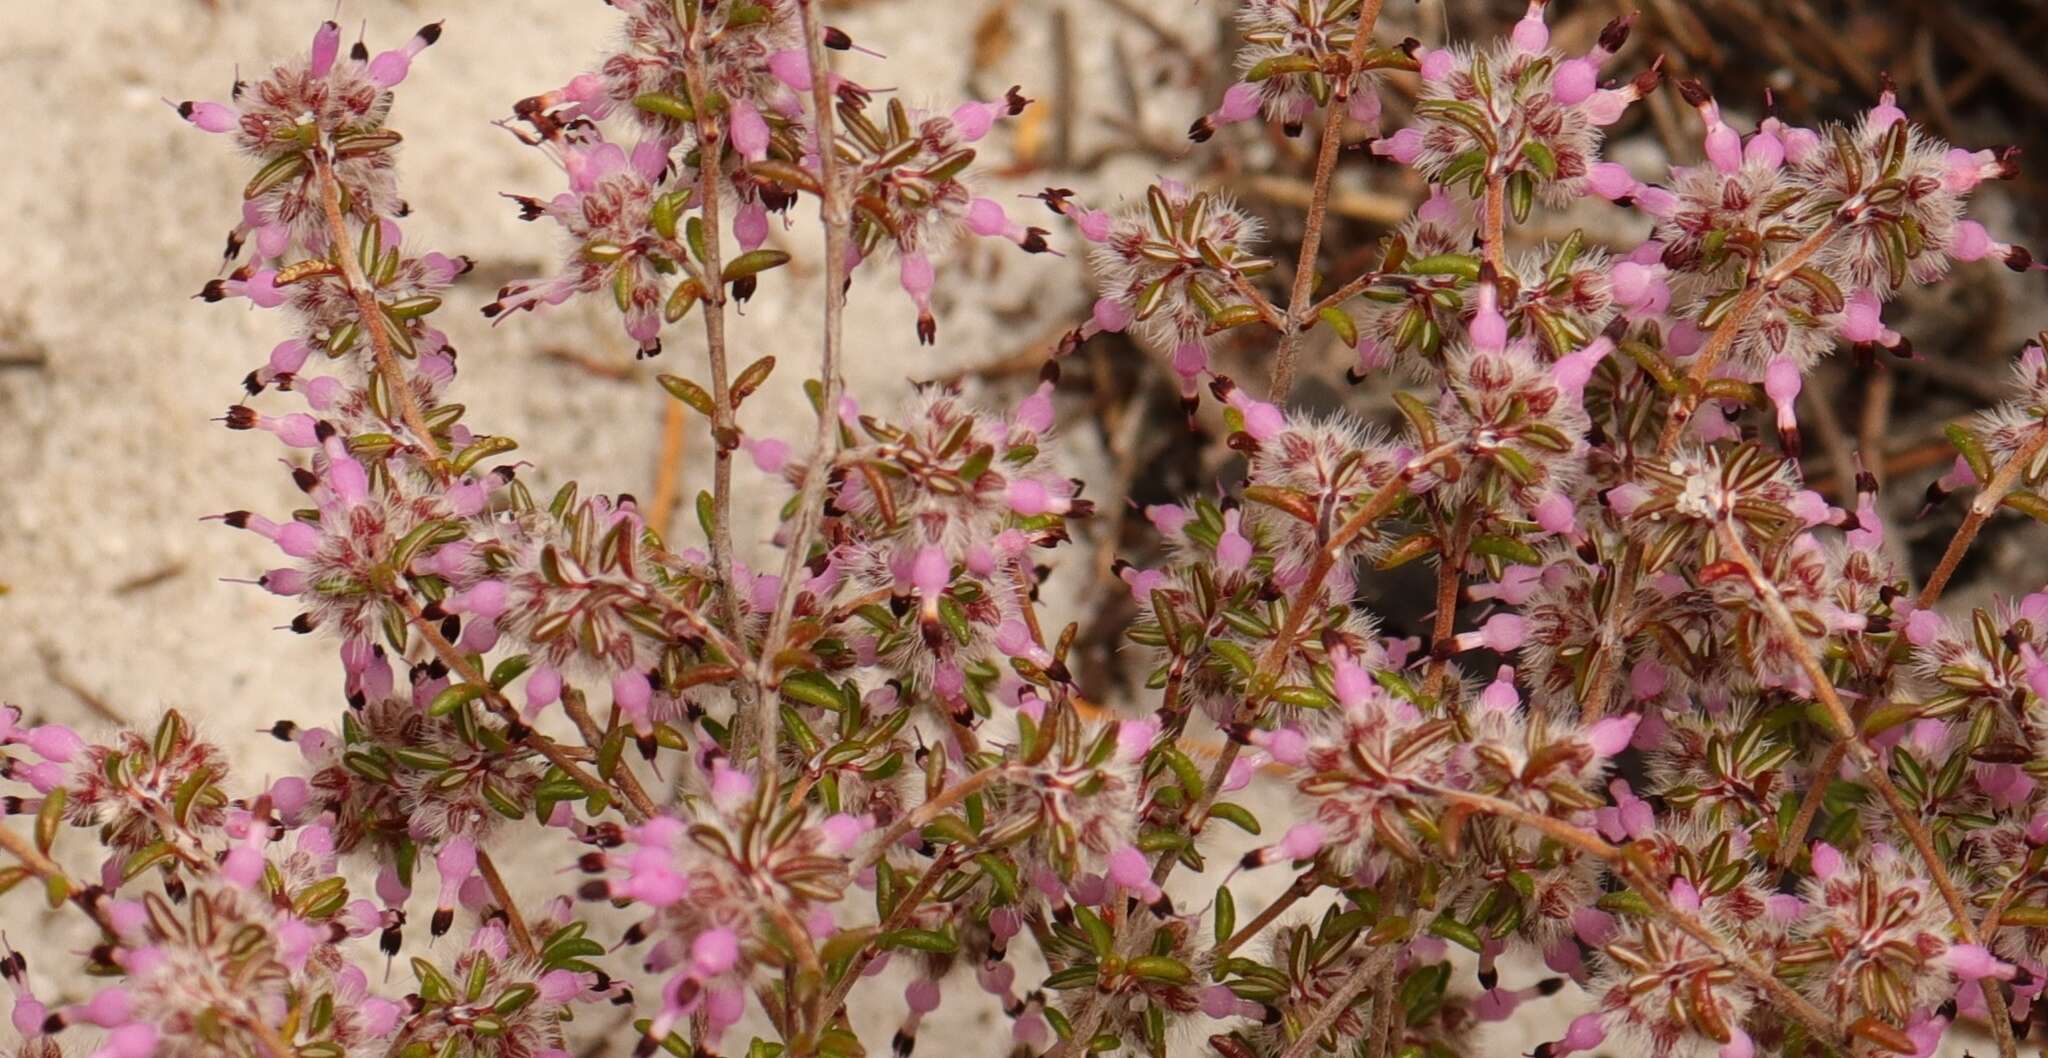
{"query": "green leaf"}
(925, 940)
(1235, 814)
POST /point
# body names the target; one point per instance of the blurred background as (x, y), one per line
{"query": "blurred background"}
(112, 600)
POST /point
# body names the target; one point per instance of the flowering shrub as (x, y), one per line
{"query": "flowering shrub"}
(1699, 746)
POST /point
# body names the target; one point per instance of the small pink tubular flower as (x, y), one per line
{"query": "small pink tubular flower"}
(1404, 146)
(456, 863)
(1641, 289)
(389, 68)
(1502, 633)
(1573, 370)
(54, 742)
(1515, 586)
(749, 130)
(1827, 861)
(1612, 734)
(1530, 34)
(1611, 181)
(1782, 383)
(1501, 696)
(1233, 549)
(930, 572)
(1584, 1034)
(209, 117)
(1261, 420)
(1973, 962)
(1302, 841)
(1285, 744)
(634, 696)
(1130, 871)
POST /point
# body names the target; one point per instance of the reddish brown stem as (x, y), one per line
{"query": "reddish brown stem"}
(1982, 507)
(833, 211)
(522, 938)
(384, 357)
(724, 426)
(1282, 382)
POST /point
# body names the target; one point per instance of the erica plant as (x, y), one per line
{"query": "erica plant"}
(1681, 729)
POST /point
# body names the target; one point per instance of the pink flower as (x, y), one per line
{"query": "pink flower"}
(1262, 420)
(1500, 696)
(210, 117)
(1827, 861)
(930, 572)
(1168, 518)
(1302, 841)
(634, 696)
(1404, 146)
(1502, 633)
(1034, 412)
(714, 952)
(1530, 34)
(1972, 962)
(1583, 1034)
(1611, 735)
(1286, 744)
(54, 742)
(1233, 549)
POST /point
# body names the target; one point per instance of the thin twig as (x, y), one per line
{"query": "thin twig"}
(832, 211)
(1493, 220)
(1384, 1012)
(906, 905)
(522, 938)
(372, 315)
(1982, 507)
(1303, 885)
(1809, 805)
(724, 427)
(1371, 968)
(923, 815)
(31, 857)
(1282, 382)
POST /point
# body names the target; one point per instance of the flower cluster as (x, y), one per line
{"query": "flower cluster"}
(715, 96)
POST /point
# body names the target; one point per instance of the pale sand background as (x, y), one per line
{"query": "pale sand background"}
(116, 212)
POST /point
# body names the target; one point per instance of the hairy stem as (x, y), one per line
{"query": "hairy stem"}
(372, 315)
(522, 938)
(1282, 381)
(1493, 220)
(1450, 577)
(1303, 885)
(1982, 507)
(832, 210)
(724, 425)
(906, 906)
(31, 857)
(1371, 969)
(923, 815)
(1809, 804)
